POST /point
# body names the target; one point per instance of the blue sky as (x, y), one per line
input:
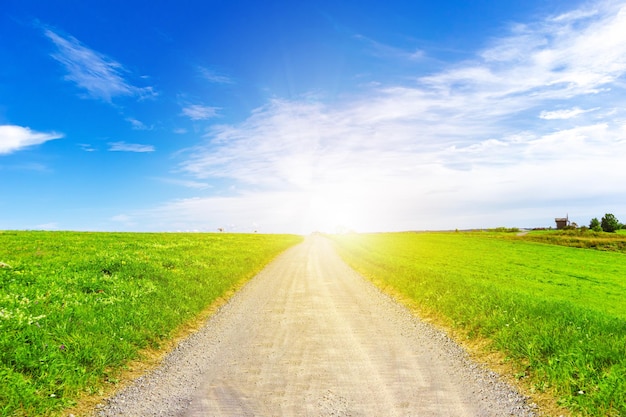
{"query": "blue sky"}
(292, 117)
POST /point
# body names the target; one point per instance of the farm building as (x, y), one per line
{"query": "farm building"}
(562, 222)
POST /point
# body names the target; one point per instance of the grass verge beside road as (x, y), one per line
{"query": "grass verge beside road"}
(557, 313)
(76, 307)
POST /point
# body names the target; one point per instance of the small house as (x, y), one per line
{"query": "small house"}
(562, 222)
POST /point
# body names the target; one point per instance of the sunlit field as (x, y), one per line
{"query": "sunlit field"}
(76, 307)
(556, 312)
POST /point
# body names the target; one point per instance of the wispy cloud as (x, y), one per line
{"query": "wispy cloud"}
(137, 124)
(102, 77)
(577, 15)
(130, 147)
(385, 51)
(87, 147)
(14, 138)
(458, 148)
(562, 114)
(214, 77)
(200, 112)
(185, 183)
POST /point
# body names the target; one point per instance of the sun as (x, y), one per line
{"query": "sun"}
(332, 211)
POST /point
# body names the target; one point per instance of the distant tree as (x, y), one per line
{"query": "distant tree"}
(610, 223)
(595, 225)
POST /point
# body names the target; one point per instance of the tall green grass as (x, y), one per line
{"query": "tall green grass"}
(559, 313)
(613, 242)
(76, 307)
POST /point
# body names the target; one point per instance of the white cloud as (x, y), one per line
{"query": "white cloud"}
(101, 76)
(392, 176)
(129, 147)
(185, 183)
(459, 148)
(137, 124)
(87, 147)
(200, 112)
(215, 77)
(14, 138)
(382, 50)
(548, 60)
(576, 15)
(563, 114)
(417, 54)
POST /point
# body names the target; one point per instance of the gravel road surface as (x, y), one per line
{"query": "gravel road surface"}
(308, 336)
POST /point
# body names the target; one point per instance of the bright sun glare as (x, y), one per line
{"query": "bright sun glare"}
(333, 211)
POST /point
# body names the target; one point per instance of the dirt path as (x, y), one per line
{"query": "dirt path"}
(310, 337)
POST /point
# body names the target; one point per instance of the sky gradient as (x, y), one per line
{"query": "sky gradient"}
(289, 117)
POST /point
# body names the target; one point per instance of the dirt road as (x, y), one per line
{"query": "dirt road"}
(310, 337)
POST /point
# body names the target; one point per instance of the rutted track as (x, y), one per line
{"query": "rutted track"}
(309, 337)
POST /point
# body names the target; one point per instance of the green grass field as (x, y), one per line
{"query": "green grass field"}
(76, 307)
(557, 312)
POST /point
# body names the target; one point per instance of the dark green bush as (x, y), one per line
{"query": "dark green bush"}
(610, 223)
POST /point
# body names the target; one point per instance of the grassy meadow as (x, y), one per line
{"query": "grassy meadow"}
(76, 307)
(551, 302)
